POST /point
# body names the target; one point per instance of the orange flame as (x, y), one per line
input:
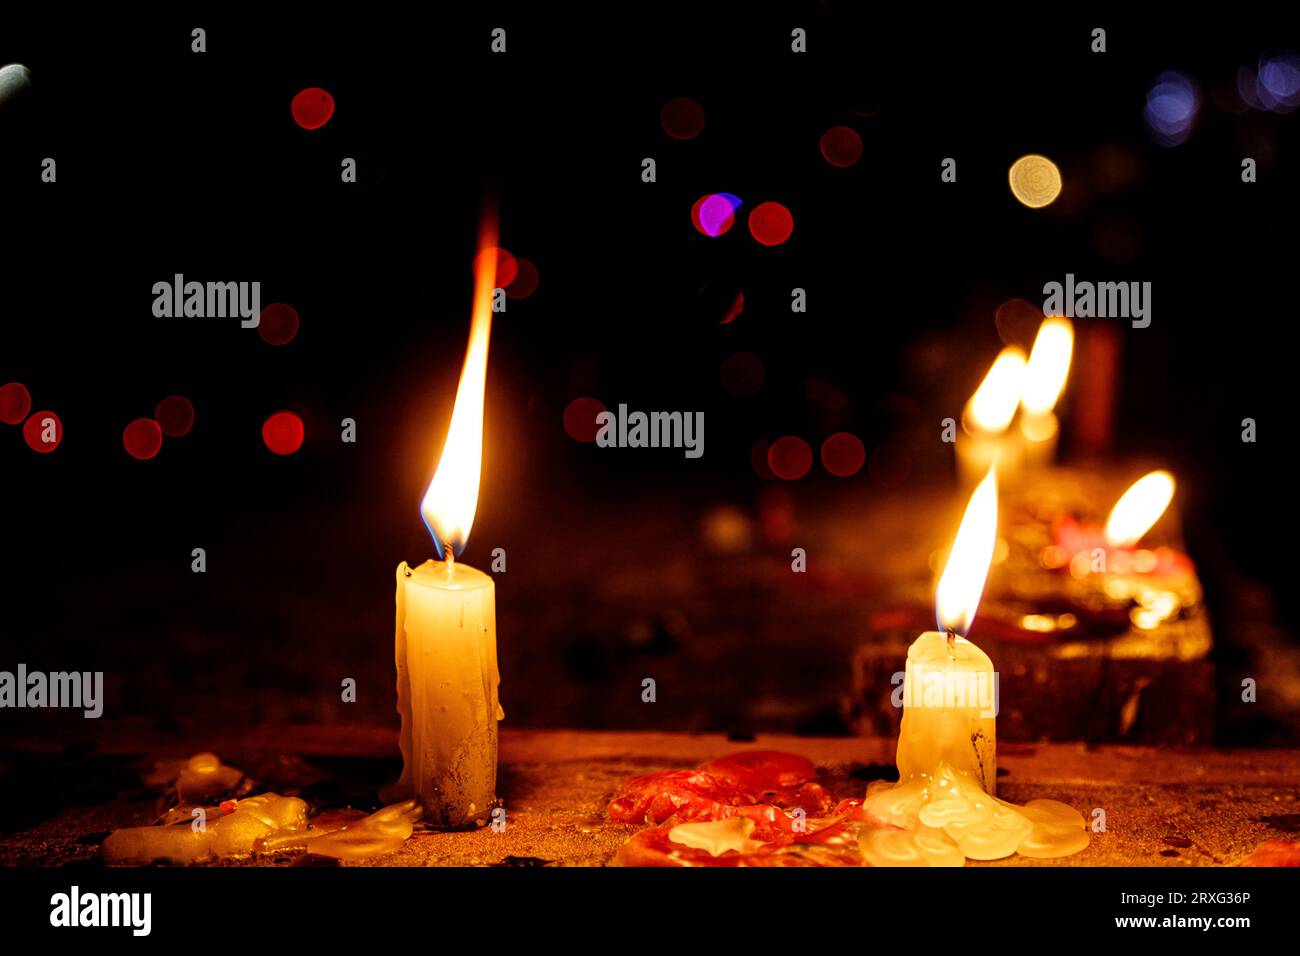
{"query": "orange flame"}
(1139, 508)
(994, 403)
(452, 497)
(1049, 365)
(962, 583)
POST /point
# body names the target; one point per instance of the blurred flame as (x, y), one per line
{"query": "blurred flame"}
(994, 403)
(1049, 365)
(1139, 508)
(962, 582)
(452, 497)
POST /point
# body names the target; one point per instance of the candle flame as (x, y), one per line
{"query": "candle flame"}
(1048, 366)
(1139, 508)
(994, 403)
(452, 497)
(962, 582)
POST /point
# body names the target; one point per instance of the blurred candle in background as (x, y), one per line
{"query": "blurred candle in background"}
(1045, 375)
(985, 433)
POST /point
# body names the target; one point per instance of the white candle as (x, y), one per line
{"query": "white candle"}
(943, 805)
(447, 686)
(949, 710)
(447, 679)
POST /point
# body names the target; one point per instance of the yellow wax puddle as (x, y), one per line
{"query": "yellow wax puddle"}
(200, 779)
(263, 824)
(191, 833)
(384, 831)
(717, 836)
(946, 818)
(234, 834)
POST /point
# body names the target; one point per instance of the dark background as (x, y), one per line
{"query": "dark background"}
(170, 161)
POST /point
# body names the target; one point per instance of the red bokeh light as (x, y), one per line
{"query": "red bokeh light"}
(580, 418)
(758, 458)
(15, 403)
(682, 118)
(771, 223)
(843, 454)
(507, 266)
(40, 427)
(842, 146)
(283, 433)
(278, 324)
(142, 438)
(175, 416)
(525, 281)
(312, 108)
(790, 458)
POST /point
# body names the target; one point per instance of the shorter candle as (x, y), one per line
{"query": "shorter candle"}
(943, 810)
(949, 710)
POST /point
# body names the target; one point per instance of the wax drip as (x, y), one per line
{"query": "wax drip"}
(945, 818)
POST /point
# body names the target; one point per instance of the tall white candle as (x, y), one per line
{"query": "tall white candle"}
(447, 691)
(446, 654)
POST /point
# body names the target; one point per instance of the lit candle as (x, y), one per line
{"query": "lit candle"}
(1045, 375)
(984, 435)
(1107, 566)
(943, 810)
(447, 678)
(949, 688)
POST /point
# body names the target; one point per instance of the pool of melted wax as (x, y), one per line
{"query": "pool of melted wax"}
(267, 823)
(384, 831)
(946, 818)
(222, 834)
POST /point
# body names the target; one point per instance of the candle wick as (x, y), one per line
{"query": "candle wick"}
(952, 644)
(450, 562)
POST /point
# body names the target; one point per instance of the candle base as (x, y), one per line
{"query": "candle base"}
(944, 818)
(447, 694)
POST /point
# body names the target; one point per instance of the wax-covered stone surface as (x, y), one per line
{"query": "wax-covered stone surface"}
(1199, 807)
